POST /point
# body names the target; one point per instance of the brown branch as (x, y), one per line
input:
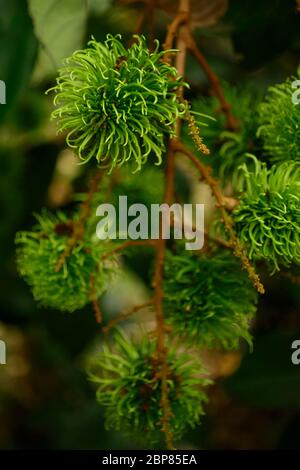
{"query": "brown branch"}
(237, 247)
(94, 300)
(161, 327)
(128, 244)
(180, 18)
(208, 237)
(97, 312)
(215, 83)
(203, 169)
(158, 303)
(124, 316)
(78, 225)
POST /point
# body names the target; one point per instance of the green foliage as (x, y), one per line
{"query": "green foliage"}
(117, 104)
(130, 389)
(69, 288)
(267, 220)
(228, 148)
(208, 299)
(279, 120)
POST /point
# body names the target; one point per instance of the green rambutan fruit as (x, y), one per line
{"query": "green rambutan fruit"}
(279, 123)
(116, 104)
(130, 389)
(69, 288)
(267, 219)
(208, 299)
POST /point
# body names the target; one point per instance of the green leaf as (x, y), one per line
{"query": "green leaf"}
(18, 50)
(267, 377)
(60, 28)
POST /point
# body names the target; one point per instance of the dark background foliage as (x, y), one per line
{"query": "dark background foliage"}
(45, 399)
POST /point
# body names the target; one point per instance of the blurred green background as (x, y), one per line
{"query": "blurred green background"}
(45, 399)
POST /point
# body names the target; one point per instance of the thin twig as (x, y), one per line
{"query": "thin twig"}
(203, 169)
(78, 225)
(127, 244)
(215, 83)
(124, 316)
(97, 312)
(237, 247)
(158, 302)
(208, 237)
(94, 300)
